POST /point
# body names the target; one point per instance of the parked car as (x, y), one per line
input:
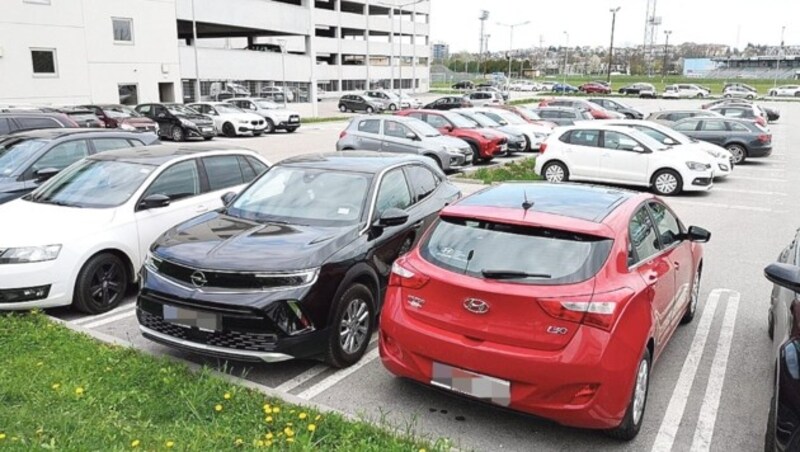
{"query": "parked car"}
(405, 135)
(29, 158)
(464, 84)
(16, 121)
(725, 101)
(276, 93)
(770, 114)
(230, 120)
(448, 103)
(492, 88)
(783, 422)
(503, 267)
(515, 137)
(485, 143)
(355, 102)
(646, 90)
(785, 91)
(671, 137)
(109, 208)
(533, 134)
(620, 155)
(739, 85)
(597, 111)
(320, 233)
(744, 139)
(481, 98)
(750, 112)
(685, 91)
(526, 114)
(563, 116)
(123, 117)
(407, 101)
(84, 117)
(179, 122)
(547, 86)
(670, 117)
(739, 93)
(276, 117)
(389, 99)
(564, 88)
(594, 88)
(618, 107)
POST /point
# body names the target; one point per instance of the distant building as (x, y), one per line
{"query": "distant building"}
(698, 67)
(766, 67)
(441, 51)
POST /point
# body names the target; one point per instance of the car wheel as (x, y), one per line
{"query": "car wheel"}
(555, 172)
(727, 96)
(291, 129)
(270, 126)
(351, 328)
(177, 134)
(739, 153)
(228, 130)
(342, 108)
(700, 95)
(667, 183)
(796, 94)
(691, 310)
(632, 422)
(392, 107)
(370, 110)
(101, 285)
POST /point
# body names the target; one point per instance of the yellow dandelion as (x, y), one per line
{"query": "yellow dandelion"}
(319, 416)
(422, 450)
(268, 419)
(227, 396)
(302, 415)
(312, 428)
(276, 410)
(288, 432)
(40, 364)
(267, 407)
(259, 443)
(268, 444)
(217, 408)
(56, 386)
(269, 436)
(2, 436)
(289, 440)
(79, 391)
(169, 444)
(135, 443)
(238, 442)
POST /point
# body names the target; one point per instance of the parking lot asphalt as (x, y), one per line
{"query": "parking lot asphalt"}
(710, 389)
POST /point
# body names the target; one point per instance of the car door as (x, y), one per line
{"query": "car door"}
(180, 182)
(582, 154)
(423, 183)
(656, 270)
(689, 127)
(163, 118)
(368, 135)
(623, 159)
(713, 131)
(396, 138)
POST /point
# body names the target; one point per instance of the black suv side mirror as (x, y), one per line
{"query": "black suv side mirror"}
(228, 198)
(393, 217)
(45, 174)
(155, 201)
(698, 234)
(784, 275)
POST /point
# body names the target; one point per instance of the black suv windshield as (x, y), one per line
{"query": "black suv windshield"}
(14, 152)
(314, 197)
(518, 254)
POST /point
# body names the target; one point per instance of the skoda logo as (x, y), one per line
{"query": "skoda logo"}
(476, 306)
(198, 279)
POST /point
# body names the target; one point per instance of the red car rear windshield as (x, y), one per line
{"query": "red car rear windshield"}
(518, 254)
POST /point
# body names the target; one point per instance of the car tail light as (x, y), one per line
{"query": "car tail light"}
(404, 275)
(764, 138)
(542, 148)
(342, 134)
(601, 311)
(761, 121)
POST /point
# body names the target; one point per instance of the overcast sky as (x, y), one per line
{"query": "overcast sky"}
(588, 22)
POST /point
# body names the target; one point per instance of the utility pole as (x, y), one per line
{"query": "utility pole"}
(614, 12)
(566, 60)
(778, 61)
(484, 16)
(666, 54)
(511, 28)
(196, 59)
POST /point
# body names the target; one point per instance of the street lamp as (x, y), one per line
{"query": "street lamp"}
(282, 43)
(400, 47)
(511, 28)
(614, 12)
(566, 60)
(778, 61)
(666, 54)
(196, 59)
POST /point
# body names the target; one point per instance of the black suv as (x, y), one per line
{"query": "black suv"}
(29, 158)
(297, 264)
(178, 122)
(357, 102)
(448, 103)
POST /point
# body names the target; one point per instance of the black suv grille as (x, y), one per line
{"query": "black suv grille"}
(223, 280)
(255, 342)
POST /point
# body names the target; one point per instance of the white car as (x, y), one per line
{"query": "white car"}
(534, 134)
(407, 101)
(230, 120)
(277, 117)
(684, 91)
(81, 237)
(671, 137)
(785, 90)
(738, 92)
(481, 98)
(620, 155)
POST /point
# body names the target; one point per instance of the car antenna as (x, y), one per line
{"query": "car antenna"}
(526, 204)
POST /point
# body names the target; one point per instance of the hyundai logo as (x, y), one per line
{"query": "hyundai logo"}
(198, 279)
(476, 306)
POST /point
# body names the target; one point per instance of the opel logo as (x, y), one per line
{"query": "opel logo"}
(198, 279)
(476, 306)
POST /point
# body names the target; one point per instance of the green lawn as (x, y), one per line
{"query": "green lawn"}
(62, 390)
(521, 170)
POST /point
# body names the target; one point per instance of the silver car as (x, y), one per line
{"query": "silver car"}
(404, 135)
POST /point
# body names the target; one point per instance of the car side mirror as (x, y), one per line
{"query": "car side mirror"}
(45, 174)
(503, 123)
(228, 198)
(784, 275)
(155, 201)
(393, 217)
(449, 128)
(698, 235)
(670, 141)
(640, 149)
(411, 136)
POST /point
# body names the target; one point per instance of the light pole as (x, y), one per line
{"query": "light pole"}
(778, 61)
(614, 12)
(196, 59)
(566, 61)
(400, 47)
(282, 43)
(666, 54)
(511, 28)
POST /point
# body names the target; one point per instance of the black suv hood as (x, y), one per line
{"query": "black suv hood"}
(216, 241)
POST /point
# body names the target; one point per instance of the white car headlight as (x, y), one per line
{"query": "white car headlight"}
(128, 127)
(453, 151)
(697, 166)
(29, 254)
(152, 263)
(187, 123)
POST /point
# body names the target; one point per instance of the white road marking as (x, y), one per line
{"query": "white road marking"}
(340, 375)
(750, 192)
(95, 318)
(759, 179)
(680, 395)
(716, 380)
(112, 319)
(724, 206)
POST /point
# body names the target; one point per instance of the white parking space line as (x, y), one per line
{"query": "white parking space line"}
(94, 318)
(759, 179)
(724, 206)
(716, 380)
(112, 319)
(750, 192)
(680, 395)
(330, 381)
(310, 374)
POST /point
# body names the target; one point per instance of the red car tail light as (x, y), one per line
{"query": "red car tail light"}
(601, 312)
(542, 148)
(342, 134)
(404, 275)
(764, 138)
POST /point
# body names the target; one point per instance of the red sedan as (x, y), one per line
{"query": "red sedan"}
(594, 88)
(553, 300)
(485, 143)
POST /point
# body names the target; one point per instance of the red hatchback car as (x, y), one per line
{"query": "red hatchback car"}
(553, 300)
(485, 143)
(594, 88)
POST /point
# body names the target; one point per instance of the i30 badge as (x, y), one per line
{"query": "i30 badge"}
(198, 279)
(476, 306)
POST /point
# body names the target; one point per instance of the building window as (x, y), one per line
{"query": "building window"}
(44, 62)
(128, 94)
(123, 30)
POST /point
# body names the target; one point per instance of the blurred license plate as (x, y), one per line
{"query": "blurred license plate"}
(207, 129)
(504, 148)
(472, 384)
(192, 319)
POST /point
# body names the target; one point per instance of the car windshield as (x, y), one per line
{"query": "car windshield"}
(460, 121)
(267, 105)
(14, 152)
(121, 111)
(423, 128)
(177, 109)
(510, 118)
(93, 183)
(482, 120)
(533, 116)
(660, 135)
(530, 255)
(314, 197)
(227, 109)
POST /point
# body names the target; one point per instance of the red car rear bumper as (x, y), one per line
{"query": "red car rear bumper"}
(588, 384)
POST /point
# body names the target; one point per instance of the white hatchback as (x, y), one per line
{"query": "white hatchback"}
(81, 237)
(230, 120)
(620, 155)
